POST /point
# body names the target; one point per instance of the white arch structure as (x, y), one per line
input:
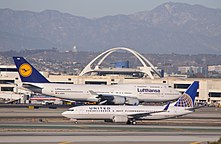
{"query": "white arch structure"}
(148, 70)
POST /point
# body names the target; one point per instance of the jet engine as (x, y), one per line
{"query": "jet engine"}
(119, 119)
(118, 100)
(132, 101)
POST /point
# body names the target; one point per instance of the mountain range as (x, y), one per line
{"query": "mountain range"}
(168, 28)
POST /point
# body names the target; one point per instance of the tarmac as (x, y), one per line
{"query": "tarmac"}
(23, 125)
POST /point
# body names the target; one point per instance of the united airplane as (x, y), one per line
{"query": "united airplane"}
(130, 94)
(130, 114)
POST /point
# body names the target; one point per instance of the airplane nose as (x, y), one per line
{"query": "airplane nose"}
(65, 114)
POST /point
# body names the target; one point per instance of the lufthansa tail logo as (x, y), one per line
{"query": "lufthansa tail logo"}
(25, 70)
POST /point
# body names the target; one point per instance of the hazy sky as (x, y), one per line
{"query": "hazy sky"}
(96, 8)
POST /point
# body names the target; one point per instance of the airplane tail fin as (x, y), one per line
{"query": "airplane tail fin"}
(188, 97)
(27, 72)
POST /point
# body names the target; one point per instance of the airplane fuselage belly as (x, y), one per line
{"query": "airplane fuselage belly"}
(91, 117)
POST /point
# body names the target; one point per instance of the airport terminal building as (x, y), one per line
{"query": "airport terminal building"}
(209, 89)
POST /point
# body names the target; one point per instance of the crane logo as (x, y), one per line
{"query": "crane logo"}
(25, 70)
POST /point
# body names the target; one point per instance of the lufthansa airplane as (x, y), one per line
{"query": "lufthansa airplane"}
(130, 114)
(130, 94)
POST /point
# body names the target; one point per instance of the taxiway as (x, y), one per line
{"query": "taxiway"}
(22, 125)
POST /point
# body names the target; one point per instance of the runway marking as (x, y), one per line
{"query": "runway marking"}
(64, 142)
(195, 143)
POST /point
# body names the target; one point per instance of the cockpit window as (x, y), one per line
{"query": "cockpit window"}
(71, 110)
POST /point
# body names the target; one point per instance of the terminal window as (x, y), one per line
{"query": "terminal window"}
(214, 94)
(64, 82)
(181, 86)
(96, 82)
(8, 69)
(6, 81)
(7, 88)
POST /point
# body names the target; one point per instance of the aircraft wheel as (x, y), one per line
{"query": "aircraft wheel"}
(128, 122)
(134, 122)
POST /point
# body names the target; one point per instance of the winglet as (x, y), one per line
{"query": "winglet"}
(27, 72)
(167, 106)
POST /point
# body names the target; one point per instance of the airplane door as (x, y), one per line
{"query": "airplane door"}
(81, 111)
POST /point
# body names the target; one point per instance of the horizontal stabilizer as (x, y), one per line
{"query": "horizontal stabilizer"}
(193, 108)
(32, 87)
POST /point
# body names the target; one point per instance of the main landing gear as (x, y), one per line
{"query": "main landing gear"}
(131, 122)
(74, 120)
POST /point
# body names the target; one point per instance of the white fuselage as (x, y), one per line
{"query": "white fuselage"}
(143, 92)
(108, 112)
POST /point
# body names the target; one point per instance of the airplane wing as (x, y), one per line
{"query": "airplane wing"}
(93, 93)
(139, 115)
(114, 99)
